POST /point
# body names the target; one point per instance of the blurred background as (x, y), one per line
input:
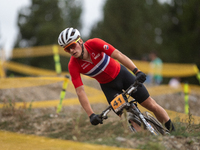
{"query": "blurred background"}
(168, 28)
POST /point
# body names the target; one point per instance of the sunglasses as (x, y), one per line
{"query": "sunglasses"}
(71, 45)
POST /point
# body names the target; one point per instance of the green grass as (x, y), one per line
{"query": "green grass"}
(151, 146)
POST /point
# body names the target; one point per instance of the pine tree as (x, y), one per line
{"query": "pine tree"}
(133, 27)
(41, 23)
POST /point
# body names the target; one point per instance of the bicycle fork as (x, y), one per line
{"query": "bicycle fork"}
(148, 126)
(137, 112)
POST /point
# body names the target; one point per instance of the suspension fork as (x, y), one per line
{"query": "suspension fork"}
(136, 111)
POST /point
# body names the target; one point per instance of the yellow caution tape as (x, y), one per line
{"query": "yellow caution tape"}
(168, 69)
(37, 51)
(7, 83)
(32, 51)
(24, 69)
(29, 70)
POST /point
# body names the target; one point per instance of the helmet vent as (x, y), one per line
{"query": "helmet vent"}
(62, 38)
(69, 39)
(73, 32)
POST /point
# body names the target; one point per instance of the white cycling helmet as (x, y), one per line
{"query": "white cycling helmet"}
(67, 36)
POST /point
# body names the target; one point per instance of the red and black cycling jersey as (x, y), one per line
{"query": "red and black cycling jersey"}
(103, 68)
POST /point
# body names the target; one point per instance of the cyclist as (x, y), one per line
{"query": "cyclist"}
(96, 58)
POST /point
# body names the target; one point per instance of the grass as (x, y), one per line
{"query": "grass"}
(73, 124)
(10, 109)
(152, 146)
(188, 129)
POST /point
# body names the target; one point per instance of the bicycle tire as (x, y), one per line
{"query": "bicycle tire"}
(133, 118)
(155, 123)
(136, 119)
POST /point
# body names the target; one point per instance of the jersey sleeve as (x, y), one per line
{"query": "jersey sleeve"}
(101, 46)
(75, 73)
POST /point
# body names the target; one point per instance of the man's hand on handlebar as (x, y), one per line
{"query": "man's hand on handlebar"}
(140, 76)
(95, 119)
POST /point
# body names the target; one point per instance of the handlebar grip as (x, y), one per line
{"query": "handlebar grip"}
(133, 87)
(103, 115)
(137, 83)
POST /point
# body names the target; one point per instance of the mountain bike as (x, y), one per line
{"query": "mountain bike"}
(145, 120)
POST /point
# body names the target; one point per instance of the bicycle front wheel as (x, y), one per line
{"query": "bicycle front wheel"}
(155, 123)
(136, 124)
(133, 118)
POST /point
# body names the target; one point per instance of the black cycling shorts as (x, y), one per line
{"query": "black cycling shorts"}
(123, 80)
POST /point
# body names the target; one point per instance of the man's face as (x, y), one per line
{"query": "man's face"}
(75, 48)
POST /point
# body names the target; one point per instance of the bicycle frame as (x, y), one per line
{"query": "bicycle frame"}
(120, 102)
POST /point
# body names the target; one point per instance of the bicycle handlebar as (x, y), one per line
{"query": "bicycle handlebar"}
(132, 88)
(104, 113)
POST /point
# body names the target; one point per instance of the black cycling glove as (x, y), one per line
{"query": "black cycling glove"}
(140, 76)
(95, 120)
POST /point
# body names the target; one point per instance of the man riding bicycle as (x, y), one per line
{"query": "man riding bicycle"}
(96, 58)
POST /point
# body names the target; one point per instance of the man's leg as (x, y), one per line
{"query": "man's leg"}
(159, 112)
